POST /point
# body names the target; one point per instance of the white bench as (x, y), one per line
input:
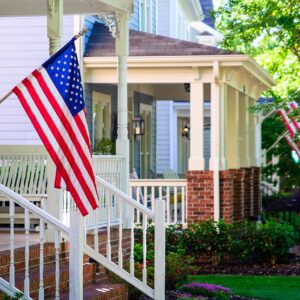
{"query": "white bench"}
(26, 175)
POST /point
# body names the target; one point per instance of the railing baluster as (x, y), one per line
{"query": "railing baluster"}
(132, 243)
(42, 241)
(96, 237)
(138, 200)
(145, 220)
(12, 243)
(168, 205)
(152, 197)
(175, 204)
(182, 205)
(26, 279)
(120, 251)
(108, 242)
(57, 271)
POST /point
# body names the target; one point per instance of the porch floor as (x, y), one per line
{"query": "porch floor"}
(19, 239)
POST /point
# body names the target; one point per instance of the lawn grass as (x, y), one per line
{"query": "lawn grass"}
(261, 287)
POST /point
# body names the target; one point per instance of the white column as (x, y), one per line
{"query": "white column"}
(122, 49)
(258, 149)
(223, 125)
(233, 160)
(252, 134)
(214, 163)
(196, 161)
(244, 131)
(54, 29)
(54, 24)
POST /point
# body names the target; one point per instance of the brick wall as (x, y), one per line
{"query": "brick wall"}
(200, 195)
(226, 195)
(256, 191)
(239, 194)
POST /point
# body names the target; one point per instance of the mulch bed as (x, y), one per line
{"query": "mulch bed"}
(250, 269)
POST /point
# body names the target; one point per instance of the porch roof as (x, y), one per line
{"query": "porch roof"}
(102, 44)
(71, 7)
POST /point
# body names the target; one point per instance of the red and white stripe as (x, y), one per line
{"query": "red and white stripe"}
(292, 124)
(64, 136)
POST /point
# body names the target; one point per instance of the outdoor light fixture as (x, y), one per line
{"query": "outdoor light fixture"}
(187, 87)
(138, 126)
(186, 131)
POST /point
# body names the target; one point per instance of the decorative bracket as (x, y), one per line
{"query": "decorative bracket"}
(51, 6)
(112, 21)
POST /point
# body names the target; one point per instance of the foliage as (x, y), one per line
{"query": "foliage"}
(208, 290)
(18, 295)
(104, 146)
(178, 267)
(274, 240)
(209, 238)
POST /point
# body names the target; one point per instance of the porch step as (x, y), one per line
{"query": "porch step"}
(89, 277)
(103, 292)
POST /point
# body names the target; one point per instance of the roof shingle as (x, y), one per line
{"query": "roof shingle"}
(102, 44)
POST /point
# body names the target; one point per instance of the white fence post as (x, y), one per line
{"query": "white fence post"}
(160, 250)
(76, 256)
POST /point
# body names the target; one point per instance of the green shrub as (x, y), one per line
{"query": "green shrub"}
(208, 238)
(274, 241)
(104, 146)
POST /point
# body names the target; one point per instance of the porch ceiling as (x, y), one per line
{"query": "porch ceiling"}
(39, 7)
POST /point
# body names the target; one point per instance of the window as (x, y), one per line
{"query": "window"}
(145, 15)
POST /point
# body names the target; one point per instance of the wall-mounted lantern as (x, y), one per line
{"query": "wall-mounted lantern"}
(138, 126)
(186, 131)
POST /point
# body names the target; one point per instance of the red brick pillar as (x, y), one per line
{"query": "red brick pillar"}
(248, 189)
(256, 191)
(226, 195)
(238, 194)
(200, 202)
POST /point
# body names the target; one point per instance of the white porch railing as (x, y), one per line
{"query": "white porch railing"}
(128, 210)
(8, 285)
(110, 168)
(123, 265)
(172, 191)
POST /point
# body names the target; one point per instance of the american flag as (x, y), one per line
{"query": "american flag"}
(292, 124)
(52, 97)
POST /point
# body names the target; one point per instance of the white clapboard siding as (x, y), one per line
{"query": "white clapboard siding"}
(23, 47)
(163, 17)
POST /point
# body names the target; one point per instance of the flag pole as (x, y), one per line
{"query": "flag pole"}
(78, 35)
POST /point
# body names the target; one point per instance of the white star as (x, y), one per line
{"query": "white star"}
(69, 71)
(58, 62)
(67, 84)
(69, 77)
(66, 56)
(75, 107)
(64, 69)
(80, 102)
(76, 94)
(65, 63)
(52, 68)
(57, 68)
(61, 83)
(70, 64)
(66, 91)
(62, 76)
(72, 93)
(56, 75)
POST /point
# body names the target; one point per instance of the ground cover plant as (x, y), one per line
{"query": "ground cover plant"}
(260, 287)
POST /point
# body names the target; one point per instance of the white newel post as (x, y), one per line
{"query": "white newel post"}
(54, 30)
(76, 256)
(196, 161)
(122, 143)
(160, 251)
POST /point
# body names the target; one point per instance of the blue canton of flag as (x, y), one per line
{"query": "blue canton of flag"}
(65, 74)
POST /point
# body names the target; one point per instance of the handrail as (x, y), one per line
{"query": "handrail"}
(34, 209)
(125, 197)
(158, 182)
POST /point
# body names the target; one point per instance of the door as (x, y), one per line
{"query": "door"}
(146, 142)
